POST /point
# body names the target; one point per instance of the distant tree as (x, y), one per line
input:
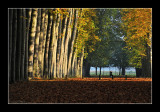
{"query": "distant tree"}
(138, 26)
(109, 31)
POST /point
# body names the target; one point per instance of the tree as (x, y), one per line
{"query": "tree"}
(23, 43)
(36, 45)
(10, 41)
(109, 31)
(18, 45)
(49, 42)
(50, 20)
(138, 25)
(28, 16)
(31, 42)
(41, 42)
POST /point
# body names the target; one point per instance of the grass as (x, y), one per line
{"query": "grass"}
(106, 73)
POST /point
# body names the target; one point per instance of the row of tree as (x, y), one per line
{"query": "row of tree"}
(61, 42)
(49, 43)
(125, 41)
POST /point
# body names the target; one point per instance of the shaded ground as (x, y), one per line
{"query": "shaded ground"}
(87, 90)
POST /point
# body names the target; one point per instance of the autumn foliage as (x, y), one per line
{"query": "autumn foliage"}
(138, 26)
(82, 91)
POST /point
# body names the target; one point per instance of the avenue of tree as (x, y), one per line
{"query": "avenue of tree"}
(66, 42)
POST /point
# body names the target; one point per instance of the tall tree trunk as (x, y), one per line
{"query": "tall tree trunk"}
(19, 38)
(51, 48)
(31, 41)
(73, 37)
(23, 42)
(14, 42)
(36, 45)
(10, 42)
(50, 20)
(29, 12)
(68, 35)
(58, 51)
(44, 41)
(62, 45)
(54, 66)
(41, 43)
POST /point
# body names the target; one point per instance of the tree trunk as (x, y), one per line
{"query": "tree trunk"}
(10, 42)
(100, 73)
(36, 45)
(96, 70)
(50, 20)
(31, 41)
(58, 51)
(41, 43)
(87, 68)
(23, 42)
(123, 70)
(74, 61)
(138, 72)
(29, 12)
(68, 34)
(62, 45)
(81, 63)
(73, 37)
(44, 41)
(52, 45)
(19, 38)
(146, 63)
(14, 42)
(54, 66)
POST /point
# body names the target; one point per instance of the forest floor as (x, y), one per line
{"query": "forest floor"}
(86, 90)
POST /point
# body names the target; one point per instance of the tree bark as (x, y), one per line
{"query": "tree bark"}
(44, 41)
(31, 41)
(87, 68)
(23, 43)
(10, 42)
(146, 63)
(73, 37)
(14, 42)
(62, 45)
(41, 43)
(50, 20)
(19, 41)
(55, 41)
(36, 45)
(81, 63)
(29, 12)
(68, 35)
(51, 48)
(123, 70)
